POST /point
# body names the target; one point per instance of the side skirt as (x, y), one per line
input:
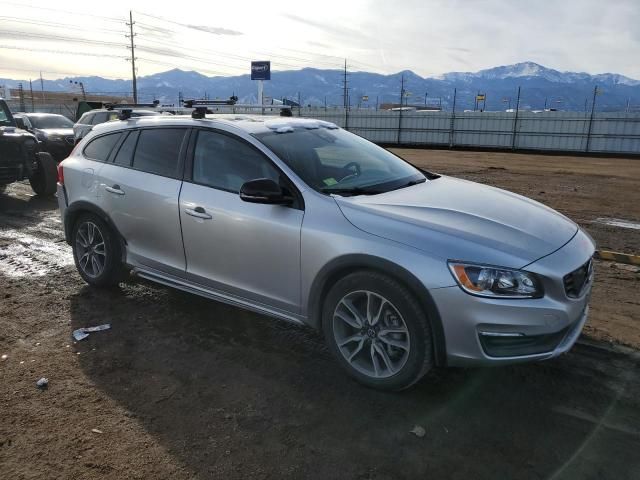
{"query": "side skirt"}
(197, 289)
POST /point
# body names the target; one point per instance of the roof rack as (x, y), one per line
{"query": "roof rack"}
(113, 106)
(201, 106)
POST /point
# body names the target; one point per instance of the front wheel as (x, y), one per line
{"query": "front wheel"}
(378, 331)
(43, 179)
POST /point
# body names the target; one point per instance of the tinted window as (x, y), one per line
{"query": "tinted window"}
(99, 118)
(86, 118)
(222, 161)
(158, 151)
(125, 154)
(100, 148)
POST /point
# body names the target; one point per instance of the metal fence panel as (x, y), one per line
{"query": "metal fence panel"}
(616, 133)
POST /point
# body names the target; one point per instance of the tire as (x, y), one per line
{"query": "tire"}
(401, 330)
(108, 268)
(44, 179)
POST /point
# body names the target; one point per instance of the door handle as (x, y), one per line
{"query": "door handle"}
(198, 212)
(115, 189)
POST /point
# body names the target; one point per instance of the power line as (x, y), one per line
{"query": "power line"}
(39, 72)
(57, 10)
(44, 50)
(56, 24)
(60, 38)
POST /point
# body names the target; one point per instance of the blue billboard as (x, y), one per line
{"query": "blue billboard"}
(260, 70)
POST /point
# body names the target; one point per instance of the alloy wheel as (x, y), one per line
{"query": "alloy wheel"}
(371, 334)
(90, 249)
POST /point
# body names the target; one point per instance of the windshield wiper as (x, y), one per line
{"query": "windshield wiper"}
(351, 191)
(410, 183)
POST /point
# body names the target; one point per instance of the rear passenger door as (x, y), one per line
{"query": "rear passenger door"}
(140, 189)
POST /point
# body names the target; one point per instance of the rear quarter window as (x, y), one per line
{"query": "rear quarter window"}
(100, 148)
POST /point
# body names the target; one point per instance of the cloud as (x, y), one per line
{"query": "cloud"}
(215, 30)
(327, 27)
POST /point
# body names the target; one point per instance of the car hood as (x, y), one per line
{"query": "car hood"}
(57, 131)
(457, 219)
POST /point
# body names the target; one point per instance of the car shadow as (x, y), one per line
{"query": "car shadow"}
(221, 387)
(19, 206)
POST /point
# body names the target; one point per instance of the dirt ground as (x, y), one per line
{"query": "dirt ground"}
(183, 388)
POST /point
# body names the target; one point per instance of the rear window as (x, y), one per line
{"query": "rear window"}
(158, 151)
(86, 118)
(100, 118)
(100, 148)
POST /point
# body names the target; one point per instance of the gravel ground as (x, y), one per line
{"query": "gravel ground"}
(182, 387)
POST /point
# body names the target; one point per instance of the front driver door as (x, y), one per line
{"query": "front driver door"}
(243, 249)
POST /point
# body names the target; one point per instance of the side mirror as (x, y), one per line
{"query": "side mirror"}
(20, 123)
(264, 190)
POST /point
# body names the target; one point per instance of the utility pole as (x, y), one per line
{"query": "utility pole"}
(133, 57)
(425, 98)
(42, 86)
(21, 97)
(345, 93)
(453, 118)
(401, 106)
(593, 109)
(515, 122)
(33, 108)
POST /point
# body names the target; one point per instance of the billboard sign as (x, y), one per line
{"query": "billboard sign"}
(261, 70)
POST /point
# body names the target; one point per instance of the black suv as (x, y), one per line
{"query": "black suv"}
(21, 157)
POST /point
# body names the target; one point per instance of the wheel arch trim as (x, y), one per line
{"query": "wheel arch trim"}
(343, 265)
(80, 206)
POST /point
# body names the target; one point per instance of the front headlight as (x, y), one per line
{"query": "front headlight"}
(496, 282)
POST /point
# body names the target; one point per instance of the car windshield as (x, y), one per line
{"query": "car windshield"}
(50, 121)
(333, 160)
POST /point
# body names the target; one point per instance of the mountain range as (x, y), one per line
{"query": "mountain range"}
(540, 87)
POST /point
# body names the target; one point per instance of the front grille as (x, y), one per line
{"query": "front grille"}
(575, 281)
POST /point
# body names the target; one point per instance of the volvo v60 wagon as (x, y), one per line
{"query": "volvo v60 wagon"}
(401, 269)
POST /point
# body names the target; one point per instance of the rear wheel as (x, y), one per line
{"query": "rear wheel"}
(43, 180)
(378, 331)
(97, 252)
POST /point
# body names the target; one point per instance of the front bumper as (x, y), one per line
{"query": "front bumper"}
(59, 150)
(485, 331)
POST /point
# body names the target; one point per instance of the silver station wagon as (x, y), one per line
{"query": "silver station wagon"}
(401, 269)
